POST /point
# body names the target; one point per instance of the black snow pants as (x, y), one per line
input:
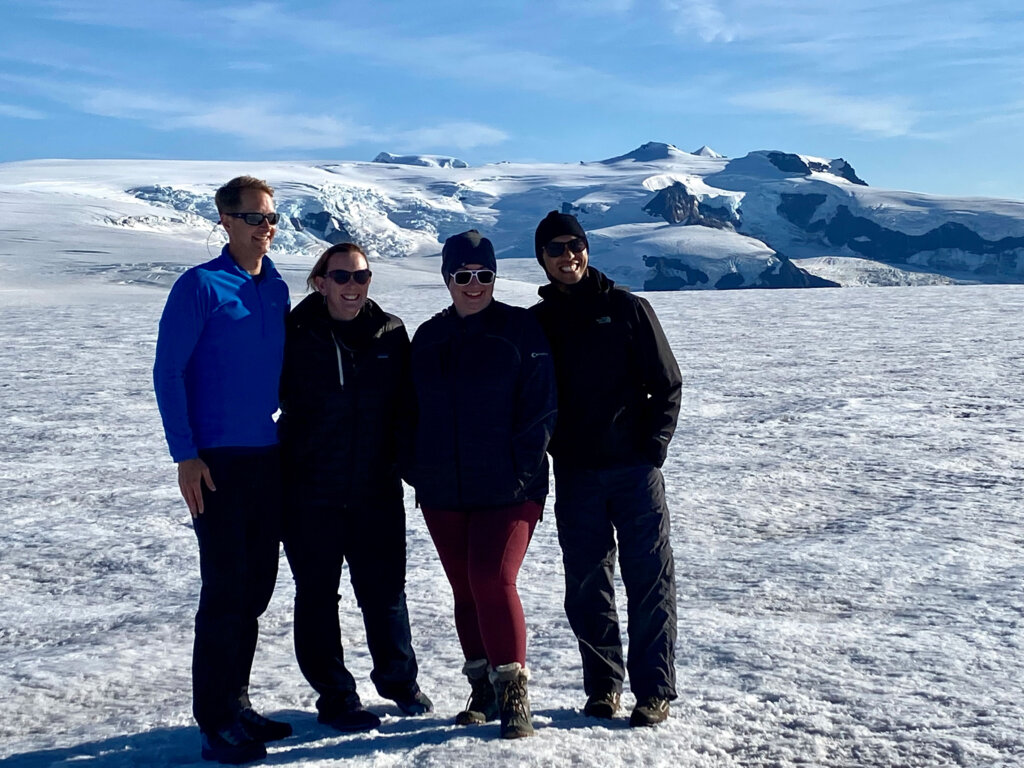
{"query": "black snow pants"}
(371, 538)
(593, 508)
(239, 547)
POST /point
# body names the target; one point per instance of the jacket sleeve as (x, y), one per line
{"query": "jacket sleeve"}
(181, 326)
(537, 405)
(405, 416)
(662, 382)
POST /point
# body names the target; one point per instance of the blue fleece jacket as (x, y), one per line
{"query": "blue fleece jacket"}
(218, 357)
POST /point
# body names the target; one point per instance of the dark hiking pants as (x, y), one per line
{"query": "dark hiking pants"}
(593, 509)
(371, 538)
(239, 546)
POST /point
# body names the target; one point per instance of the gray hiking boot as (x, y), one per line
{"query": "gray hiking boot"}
(513, 700)
(482, 706)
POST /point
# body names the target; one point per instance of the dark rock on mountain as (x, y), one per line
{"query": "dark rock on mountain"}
(873, 241)
(672, 274)
(326, 226)
(844, 170)
(677, 205)
(799, 209)
(789, 163)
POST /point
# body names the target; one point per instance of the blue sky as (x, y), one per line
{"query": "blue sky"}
(926, 96)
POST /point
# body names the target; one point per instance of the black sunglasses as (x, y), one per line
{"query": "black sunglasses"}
(483, 276)
(576, 245)
(255, 219)
(342, 276)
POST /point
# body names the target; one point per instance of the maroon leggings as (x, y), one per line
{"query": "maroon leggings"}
(481, 551)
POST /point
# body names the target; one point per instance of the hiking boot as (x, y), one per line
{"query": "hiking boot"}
(482, 706)
(513, 700)
(649, 711)
(262, 728)
(415, 704)
(603, 706)
(346, 713)
(231, 745)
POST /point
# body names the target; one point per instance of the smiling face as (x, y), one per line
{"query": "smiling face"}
(472, 297)
(344, 301)
(569, 267)
(248, 244)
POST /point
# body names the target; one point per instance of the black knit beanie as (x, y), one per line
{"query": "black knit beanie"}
(554, 225)
(466, 248)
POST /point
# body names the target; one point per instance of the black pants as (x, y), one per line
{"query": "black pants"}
(593, 508)
(371, 538)
(239, 547)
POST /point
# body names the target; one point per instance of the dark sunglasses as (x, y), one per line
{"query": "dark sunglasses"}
(342, 276)
(255, 219)
(483, 276)
(576, 245)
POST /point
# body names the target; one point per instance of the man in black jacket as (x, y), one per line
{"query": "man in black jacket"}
(618, 400)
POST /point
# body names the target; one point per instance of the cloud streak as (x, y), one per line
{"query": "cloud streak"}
(275, 124)
(20, 113)
(886, 118)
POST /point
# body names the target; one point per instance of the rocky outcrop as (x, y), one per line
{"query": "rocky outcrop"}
(677, 205)
(789, 163)
(674, 274)
(871, 240)
(325, 226)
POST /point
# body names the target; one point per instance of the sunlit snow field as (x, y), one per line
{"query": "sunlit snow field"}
(845, 485)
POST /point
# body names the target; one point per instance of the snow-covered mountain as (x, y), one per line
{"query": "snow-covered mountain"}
(659, 218)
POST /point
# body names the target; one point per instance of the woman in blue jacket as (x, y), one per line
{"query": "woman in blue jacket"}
(486, 402)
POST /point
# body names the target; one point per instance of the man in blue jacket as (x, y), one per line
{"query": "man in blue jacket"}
(218, 365)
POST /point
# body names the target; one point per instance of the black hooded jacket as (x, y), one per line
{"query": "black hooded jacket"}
(345, 404)
(486, 401)
(619, 387)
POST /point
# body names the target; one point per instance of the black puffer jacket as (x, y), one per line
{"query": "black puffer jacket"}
(485, 394)
(345, 403)
(618, 382)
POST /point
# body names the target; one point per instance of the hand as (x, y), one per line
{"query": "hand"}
(191, 474)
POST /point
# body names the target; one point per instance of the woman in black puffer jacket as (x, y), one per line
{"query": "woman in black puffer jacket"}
(345, 398)
(486, 407)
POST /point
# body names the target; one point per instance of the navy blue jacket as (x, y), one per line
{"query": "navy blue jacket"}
(486, 403)
(218, 357)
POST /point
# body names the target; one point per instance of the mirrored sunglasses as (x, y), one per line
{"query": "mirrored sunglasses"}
(342, 276)
(483, 276)
(576, 245)
(255, 219)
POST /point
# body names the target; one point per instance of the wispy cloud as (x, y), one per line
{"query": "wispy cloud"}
(884, 117)
(21, 113)
(277, 123)
(460, 135)
(707, 18)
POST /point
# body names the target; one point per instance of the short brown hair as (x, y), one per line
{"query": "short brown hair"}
(229, 197)
(320, 268)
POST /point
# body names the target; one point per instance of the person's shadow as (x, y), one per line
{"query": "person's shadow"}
(179, 745)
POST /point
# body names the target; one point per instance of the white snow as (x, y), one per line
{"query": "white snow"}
(845, 485)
